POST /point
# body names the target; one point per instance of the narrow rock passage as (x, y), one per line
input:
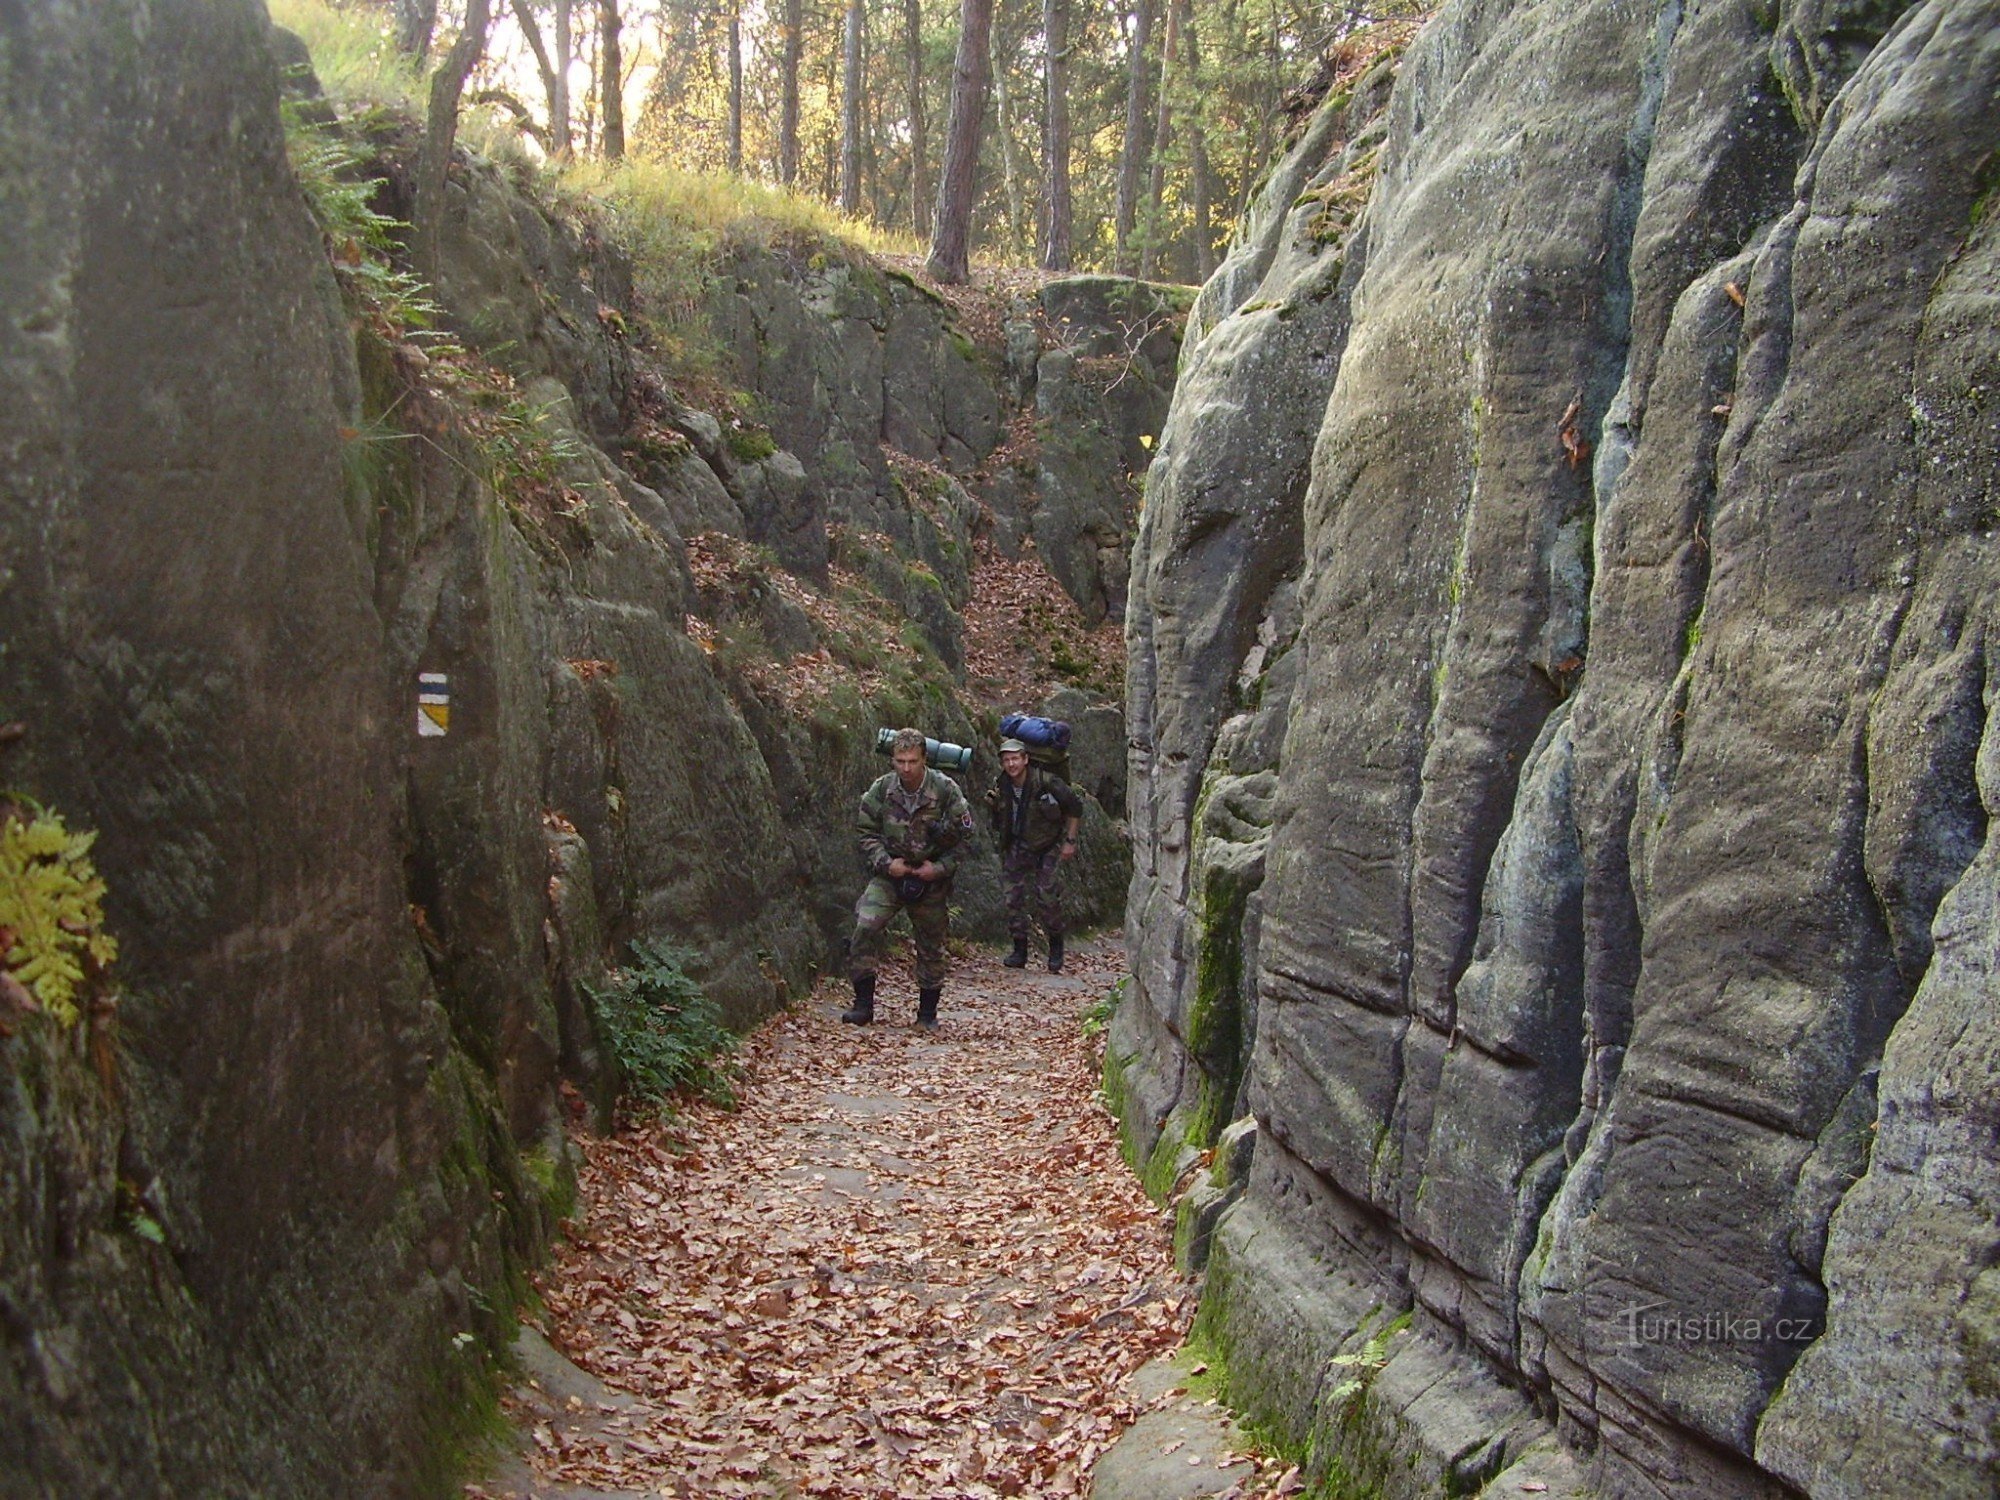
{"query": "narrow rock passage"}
(906, 1265)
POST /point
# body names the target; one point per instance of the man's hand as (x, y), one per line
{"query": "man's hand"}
(927, 871)
(898, 868)
(1068, 849)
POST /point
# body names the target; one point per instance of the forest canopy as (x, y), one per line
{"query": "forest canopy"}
(1117, 135)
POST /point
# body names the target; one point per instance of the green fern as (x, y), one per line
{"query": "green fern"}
(360, 240)
(51, 910)
(667, 1034)
(1364, 1364)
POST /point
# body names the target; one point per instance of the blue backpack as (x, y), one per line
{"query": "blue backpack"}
(1047, 741)
(1035, 732)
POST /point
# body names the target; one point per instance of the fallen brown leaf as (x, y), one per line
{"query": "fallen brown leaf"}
(1574, 444)
(865, 1282)
(17, 995)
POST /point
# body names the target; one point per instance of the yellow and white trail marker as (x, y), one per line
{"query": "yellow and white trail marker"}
(433, 705)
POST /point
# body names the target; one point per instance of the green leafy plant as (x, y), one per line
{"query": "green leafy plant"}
(1097, 1015)
(667, 1034)
(359, 238)
(526, 450)
(525, 444)
(1364, 1364)
(750, 444)
(52, 937)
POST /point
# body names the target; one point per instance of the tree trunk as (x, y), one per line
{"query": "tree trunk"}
(524, 118)
(951, 240)
(611, 91)
(1273, 94)
(880, 203)
(1010, 181)
(1151, 230)
(1057, 253)
(1198, 168)
(587, 39)
(531, 30)
(850, 112)
(1136, 78)
(788, 109)
(913, 50)
(559, 134)
(736, 89)
(415, 21)
(440, 134)
(829, 177)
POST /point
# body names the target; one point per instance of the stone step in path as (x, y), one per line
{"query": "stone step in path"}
(1184, 1446)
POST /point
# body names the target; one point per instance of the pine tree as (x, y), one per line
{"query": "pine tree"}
(951, 239)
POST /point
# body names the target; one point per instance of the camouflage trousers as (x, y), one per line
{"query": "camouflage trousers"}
(1033, 879)
(930, 918)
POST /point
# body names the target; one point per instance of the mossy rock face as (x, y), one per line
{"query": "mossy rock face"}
(1200, 1210)
(918, 595)
(843, 358)
(249, 1258)
(290, 1238)
(290, 1243)
(1215, 1029)
(1097, 418)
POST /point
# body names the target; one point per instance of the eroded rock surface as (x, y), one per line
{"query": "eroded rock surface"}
(273, 1222)
(1608, 973)
(197, 1276)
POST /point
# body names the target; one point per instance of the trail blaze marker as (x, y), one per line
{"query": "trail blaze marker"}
(433, 705)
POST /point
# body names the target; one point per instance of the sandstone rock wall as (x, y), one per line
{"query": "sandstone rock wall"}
(1589, 857)
(195, 651)
(265, 1237)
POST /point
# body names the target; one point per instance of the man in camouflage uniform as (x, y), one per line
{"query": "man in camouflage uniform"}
(911, 824)
(1035, 815)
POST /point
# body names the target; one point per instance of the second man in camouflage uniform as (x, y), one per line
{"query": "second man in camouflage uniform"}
(1035, 815)
(910, 826)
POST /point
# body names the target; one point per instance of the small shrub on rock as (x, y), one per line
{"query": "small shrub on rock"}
(667, 1034)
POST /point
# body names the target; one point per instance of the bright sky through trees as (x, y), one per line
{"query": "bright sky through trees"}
(1190, 126)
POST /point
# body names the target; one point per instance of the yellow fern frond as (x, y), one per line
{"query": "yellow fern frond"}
(52, 903)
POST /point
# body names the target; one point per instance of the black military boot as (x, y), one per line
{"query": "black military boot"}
(1018, 959)
(927, 1009)
(1055, 953)
(863, 1009)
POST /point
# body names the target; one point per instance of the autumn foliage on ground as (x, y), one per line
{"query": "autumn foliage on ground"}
(907, 1265)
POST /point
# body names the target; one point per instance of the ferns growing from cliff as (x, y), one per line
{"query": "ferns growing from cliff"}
(359, 238)
(666, 1033)
(52, 938)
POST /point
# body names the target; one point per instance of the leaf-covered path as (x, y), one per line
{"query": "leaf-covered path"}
(907, 1265)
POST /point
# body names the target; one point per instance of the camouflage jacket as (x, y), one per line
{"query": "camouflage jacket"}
(930, 823)
(1038, 821)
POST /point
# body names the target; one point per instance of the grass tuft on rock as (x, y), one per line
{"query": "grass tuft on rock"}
(354, 54)
(708, 212)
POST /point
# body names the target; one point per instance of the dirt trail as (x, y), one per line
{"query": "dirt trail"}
(908, 1265)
